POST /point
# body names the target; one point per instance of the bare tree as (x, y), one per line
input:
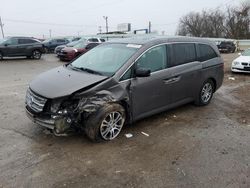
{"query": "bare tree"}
(232, 23)
(237, 22)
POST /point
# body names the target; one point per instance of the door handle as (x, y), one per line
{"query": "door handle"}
(172, 79)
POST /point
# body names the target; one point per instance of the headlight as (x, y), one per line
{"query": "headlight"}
(75, 50)
(236, 63)
(55, 105)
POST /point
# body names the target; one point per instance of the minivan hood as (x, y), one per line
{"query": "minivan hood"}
(62, 81)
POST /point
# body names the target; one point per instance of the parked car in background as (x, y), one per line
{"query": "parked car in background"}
(242, 63)
(21, 46)
(226, 47)
(51, 44)
(71, 44)
(124, 81)
(59, 48)
(70, 53)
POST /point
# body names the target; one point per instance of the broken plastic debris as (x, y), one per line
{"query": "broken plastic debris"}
(145, 134)
(231, 78)
(129, 135)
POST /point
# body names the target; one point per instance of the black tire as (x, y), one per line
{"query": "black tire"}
(94, 125)
(46, 50)
(1, 55)
(204, 98)
(36, 54)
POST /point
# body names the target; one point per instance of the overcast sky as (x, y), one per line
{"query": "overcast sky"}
(73, 17)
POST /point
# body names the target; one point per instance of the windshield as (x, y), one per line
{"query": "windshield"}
(105, 59)
(71, 44)
(48, 40)
(3, 40)
(246, 53)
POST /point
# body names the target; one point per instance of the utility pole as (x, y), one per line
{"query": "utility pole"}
(106, 20)
(50, 31)
(1, 25)
(149, 27)
(100, 29)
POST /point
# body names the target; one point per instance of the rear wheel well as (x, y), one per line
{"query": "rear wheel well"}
(214, 82)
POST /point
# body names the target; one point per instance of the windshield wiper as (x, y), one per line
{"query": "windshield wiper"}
(86, 70)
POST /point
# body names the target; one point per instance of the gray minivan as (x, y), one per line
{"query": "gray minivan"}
(124, 81)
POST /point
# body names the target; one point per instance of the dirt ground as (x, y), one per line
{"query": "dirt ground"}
(186, 147)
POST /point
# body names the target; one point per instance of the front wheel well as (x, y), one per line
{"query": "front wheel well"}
(126, 107)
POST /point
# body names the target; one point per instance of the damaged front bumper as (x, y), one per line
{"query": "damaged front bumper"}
(60, 125)
(44, 122)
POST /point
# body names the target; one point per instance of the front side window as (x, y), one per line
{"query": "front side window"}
(155, 59)
(105, 59)
(12, 41)
(127, 75)
(206, 52)
(182, 53)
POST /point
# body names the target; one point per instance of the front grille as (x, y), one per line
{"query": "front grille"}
(245, 64)
(35, 102)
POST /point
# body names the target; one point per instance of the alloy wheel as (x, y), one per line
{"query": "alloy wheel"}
(111, 125)
(206, 92)
(36, 54)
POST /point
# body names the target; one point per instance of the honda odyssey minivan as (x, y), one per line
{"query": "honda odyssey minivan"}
(120, 82)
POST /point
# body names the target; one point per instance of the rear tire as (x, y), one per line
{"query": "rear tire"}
(205, 93)
(1, 56)
(105, 124)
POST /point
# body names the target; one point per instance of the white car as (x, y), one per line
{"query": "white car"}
(242, 63)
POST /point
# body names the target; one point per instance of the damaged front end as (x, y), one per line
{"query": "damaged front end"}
(57, 114)
(68, 114)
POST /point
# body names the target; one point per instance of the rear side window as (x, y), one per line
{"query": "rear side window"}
(182, 53)
(26, 41)
(206, 52)
(61, 40)
(102, 40)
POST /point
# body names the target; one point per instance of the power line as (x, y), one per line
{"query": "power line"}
(47, 23)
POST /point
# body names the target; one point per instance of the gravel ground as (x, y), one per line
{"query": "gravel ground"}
(186, 147)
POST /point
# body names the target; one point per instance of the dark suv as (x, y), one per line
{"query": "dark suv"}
(226, 47)
(21, 46)
(51, 44)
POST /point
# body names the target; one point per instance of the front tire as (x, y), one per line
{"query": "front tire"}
(36, 54)
(206, 93)
(106, 124)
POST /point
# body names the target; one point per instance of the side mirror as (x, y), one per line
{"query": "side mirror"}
(140, 72)
(239, 53)
(6, 45)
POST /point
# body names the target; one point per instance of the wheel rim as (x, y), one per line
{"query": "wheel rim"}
(206, 92)
(111, 125)
(36, 54)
